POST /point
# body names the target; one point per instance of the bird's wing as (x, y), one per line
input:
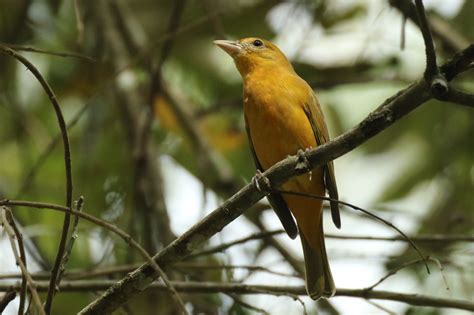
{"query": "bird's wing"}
(316, 118)
(276, 201)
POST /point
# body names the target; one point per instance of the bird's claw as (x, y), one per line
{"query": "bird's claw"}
(303, 163)
(255, 181)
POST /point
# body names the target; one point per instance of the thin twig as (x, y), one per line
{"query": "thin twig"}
(78, 207)
(7, 221)
(121, 269)
(370, 214)
(380, 307)
(393, 272)
(109, 226)
(237, 288)
(30, 176)
(436, 238)
(48, 52)
(185, 265)
(222, 247)
(244, 304)
(19, 238)
(67, 164)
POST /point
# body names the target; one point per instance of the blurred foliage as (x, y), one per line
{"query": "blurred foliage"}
(103, 168)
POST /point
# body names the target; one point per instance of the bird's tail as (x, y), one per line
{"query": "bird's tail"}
(319, 282)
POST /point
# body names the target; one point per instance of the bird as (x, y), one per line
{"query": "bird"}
(283, 117)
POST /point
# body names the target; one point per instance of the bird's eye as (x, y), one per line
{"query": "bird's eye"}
(257, 43)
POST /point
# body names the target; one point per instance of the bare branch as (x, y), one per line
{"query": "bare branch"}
(222, 247)
(30, 176)
(439, 85)
(237, 288)
(67, 164)
(373, 216)
(7, 221)
(435, 238)
(459, 97)
(121, 269)
(48, 52)
(19, 237)
(127, 238)
(244, 304)
(431, 66)
(70, 244)
(395, 270)
(380, 307)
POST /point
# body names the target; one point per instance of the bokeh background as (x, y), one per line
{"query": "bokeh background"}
(137, 71)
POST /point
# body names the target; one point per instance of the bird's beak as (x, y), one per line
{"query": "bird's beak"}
(229, 46)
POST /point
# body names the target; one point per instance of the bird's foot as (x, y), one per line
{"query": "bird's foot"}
(303, 163)
(259, 179)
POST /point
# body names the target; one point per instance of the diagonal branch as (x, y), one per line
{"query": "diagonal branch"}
(384, 116)
(6, 220)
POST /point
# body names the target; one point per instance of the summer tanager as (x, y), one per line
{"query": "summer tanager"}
(283, 116)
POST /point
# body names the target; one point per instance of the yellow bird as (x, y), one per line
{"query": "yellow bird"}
(283, 116)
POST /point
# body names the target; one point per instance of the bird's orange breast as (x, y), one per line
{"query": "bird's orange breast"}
(277, 122)
(278, 125)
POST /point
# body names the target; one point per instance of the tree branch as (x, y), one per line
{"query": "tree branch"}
(438, 83)
(441, 30)
(266, 234)
(48, 52)
(459, 97)
(10, 221)
(384, 116)
(237, 288)
(67, 163)
(127, 238)
(7, 221)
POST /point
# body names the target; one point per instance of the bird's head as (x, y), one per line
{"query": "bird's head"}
(253, 53)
